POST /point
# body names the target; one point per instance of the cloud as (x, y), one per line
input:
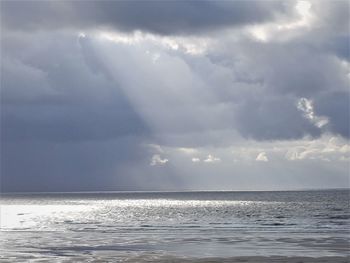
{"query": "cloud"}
(154, 16)
(156, 147)
(262, 157)
(269, 119)
(335, 105)
(255, 96)
(307, 107)
(330, 149)
(157, 160)
(196, 160)
(80, 166)
(238, 165)
(283, 30)
(92, 90)
(211, 159)
(187, 150)
(57, 96)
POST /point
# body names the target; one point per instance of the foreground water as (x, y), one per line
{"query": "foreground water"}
(151, 226)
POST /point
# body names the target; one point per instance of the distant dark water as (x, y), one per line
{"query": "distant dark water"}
(109, 226)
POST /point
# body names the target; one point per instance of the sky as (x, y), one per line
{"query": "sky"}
(174, 95)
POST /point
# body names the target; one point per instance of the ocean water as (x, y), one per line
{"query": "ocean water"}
(152, 225)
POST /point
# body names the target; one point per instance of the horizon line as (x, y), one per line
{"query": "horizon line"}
(173, 191)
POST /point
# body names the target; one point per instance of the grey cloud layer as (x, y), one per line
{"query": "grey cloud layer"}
(76, 112)
(286, 73)
(112, 165)
(51, 93)
(163, 17)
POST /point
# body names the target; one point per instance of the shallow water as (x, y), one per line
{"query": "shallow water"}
(110, 226)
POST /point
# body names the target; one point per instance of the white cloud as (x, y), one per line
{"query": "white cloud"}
(82, 35)
(211, 159)
(324, 149)
(187, 150)
(196, 160)
(262, 157)
(305, 17)
(191, 45)
(157, 160)
(306, 106)
(285, 28)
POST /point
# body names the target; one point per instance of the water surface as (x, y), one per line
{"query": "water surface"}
(111, 226)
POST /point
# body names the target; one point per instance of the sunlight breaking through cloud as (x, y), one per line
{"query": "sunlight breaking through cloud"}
(285, 29)
(157, 160)
(184, 94)
(262, 157)
(306, 106)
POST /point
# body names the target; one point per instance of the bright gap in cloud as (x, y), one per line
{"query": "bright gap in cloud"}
(279, 31)
(190, 45)
(305, 16)
(325, 148)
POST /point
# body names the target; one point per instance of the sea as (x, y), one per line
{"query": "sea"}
(146, 226)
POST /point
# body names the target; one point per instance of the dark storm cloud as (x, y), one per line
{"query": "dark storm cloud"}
(334, 16)
(58, 96)
(273, 119)
(331, 31)
(163, 17)
(295, 67)
(66, 124)
(76, 112)
(119, 164)
(270, 77)
(335, 106)
(82, 96)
